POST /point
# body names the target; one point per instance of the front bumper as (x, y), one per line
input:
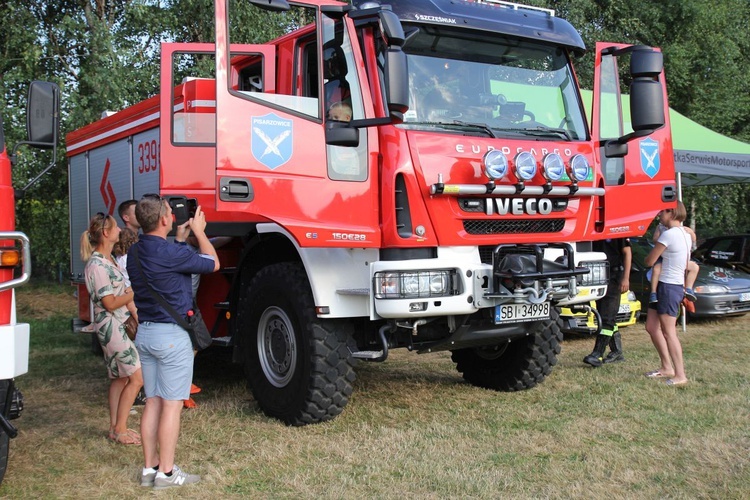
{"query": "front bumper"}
(720, 305)
(526, 278)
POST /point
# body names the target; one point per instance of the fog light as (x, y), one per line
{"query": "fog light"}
(579, 168)
(417, 306)
(553, 167)
(525, 165)
(415, 284)
(495, 164)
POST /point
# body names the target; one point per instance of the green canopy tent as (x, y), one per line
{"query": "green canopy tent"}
(701, 156)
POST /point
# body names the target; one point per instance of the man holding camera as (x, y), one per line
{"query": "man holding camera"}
(165, 348)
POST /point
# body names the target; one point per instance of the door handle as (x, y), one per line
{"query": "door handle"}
(235, 189)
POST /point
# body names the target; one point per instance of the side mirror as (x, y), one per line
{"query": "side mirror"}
(646, 63)
(646, 99)
(397, 76)
(392, 29)
(646, 105)
(341, 134)
(42, 116)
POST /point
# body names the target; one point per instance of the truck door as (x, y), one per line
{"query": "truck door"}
(189, 124)
(273, 163)
(642, 182)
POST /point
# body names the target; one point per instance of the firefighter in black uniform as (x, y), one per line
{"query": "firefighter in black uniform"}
(619, 256)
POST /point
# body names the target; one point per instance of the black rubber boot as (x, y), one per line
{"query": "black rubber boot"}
(615, 349)
(595, 358)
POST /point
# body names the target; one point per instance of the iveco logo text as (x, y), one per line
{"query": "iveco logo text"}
(517, 206)
(474, 148)
(349, 236)
(435, 19)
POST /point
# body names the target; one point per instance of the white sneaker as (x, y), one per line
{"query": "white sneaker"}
(178, 478)
(148, 475)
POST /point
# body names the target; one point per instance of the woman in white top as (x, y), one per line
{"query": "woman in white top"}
(661, 323)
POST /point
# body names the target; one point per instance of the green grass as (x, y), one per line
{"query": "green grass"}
(413, 428)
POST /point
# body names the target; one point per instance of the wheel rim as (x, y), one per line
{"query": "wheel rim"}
(491, 353)
(277, 346)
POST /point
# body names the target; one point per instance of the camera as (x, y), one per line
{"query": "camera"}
(183, 208)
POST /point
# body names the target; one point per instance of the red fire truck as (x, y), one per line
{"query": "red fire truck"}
(15, 257)
(418, 175)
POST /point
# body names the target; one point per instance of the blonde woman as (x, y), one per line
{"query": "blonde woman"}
(111, 297)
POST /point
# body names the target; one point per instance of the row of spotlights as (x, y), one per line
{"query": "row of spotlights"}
(496, 166)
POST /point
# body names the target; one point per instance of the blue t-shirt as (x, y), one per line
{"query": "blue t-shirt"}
(168, 267)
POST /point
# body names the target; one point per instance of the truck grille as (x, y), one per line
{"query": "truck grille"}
(514, 226)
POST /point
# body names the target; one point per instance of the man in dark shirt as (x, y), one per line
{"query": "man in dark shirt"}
(165, 348)
(619, 256)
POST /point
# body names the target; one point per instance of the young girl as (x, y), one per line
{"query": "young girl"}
(128, 237)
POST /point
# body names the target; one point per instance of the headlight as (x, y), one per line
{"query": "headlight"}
(711, 289)
(631, 296)
(495, 164)
(579, 168)
(554, 167)
(415, 284)
(525, 165)
(598, 275)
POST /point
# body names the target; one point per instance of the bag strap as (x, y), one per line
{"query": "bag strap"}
(164, 304)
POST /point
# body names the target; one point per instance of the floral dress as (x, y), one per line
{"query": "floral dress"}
(103, 278)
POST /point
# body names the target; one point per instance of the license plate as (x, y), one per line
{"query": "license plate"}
(624, 309)
(518, 313)
(744, 297)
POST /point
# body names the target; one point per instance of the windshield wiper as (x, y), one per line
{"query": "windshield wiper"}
(455, 125)
(561, 132)
(481, 126)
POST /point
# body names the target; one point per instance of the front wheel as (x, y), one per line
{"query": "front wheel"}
(298, 366)
(516, 365)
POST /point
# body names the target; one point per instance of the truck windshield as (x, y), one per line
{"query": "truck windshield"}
(491, 85)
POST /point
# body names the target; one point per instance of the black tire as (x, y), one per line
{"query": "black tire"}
(4, 438)
(298, 366)
(516, 365)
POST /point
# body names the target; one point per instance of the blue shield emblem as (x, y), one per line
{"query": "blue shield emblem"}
(650, 160)
(271, 140)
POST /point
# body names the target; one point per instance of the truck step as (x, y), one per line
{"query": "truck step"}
(228, 270)
(222, 341)
(367, 354)
(224, 306)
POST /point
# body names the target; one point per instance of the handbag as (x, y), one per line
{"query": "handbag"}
(198, 330)
(131, 327)
(192, 323)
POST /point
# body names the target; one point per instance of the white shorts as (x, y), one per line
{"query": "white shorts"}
(166, 360)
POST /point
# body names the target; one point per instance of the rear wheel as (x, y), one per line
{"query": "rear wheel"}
(516, 365)
(298, 366)
(4, 438)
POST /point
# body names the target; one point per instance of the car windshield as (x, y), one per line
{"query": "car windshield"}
(492, 85)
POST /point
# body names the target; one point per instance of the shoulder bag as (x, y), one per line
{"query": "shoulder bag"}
(192, 323)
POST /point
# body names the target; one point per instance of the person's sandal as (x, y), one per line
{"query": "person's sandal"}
(128, 437)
